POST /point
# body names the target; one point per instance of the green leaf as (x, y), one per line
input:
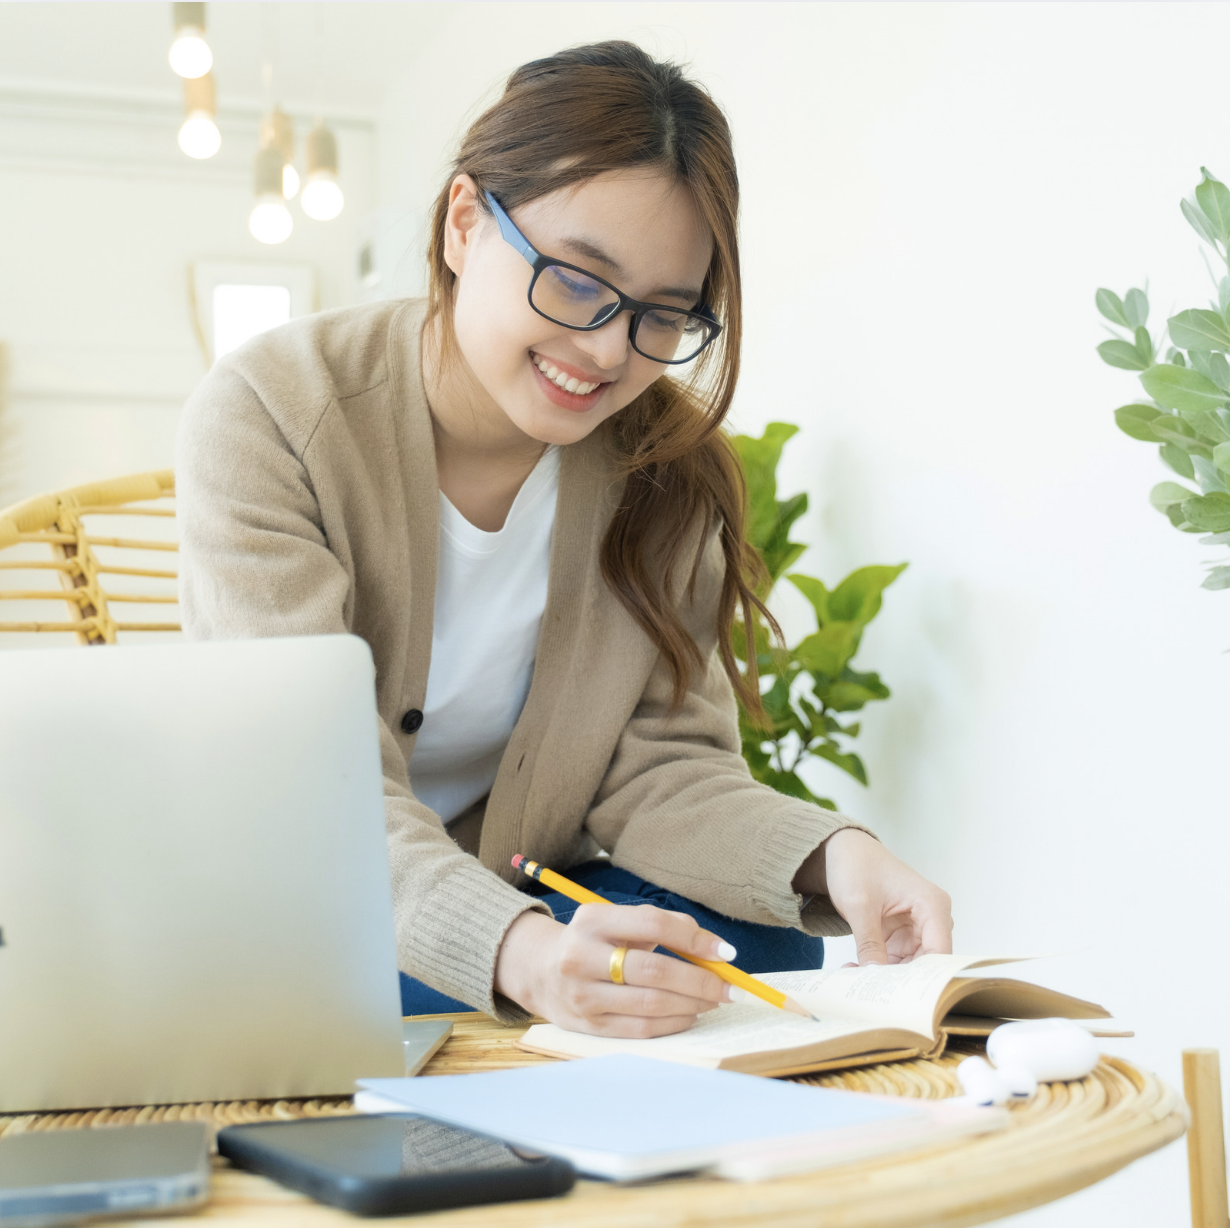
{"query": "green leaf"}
(1178, 460)
(1166, 494)
(1111, 306)
(848, 762)
(869, 679)
(826, 651)
(1136, 308)
(816, 593)
(1212, 365)
(1174, 513)
(1213, 197)
(1223, 295)
(1172, 429)
(1199, 223)
(758, 759)
(1209, 513)
(1221, 457)
(1181, 388)
(1199, 330)
(1176, 357)
(1218, 578)
(759, 458)
(857, 598)
(1135, 420)
(1122, 354)
(778, 558)
(848, 696)
(776, 702)
(1144, 344)
(1207, 477)
(1207, 424)
(778, 550)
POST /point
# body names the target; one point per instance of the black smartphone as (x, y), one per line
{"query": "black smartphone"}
(390, 1164)
(58, 1176)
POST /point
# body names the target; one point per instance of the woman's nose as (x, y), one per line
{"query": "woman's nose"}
(608, 345)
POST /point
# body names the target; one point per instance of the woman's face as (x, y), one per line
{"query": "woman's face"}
(638, 230)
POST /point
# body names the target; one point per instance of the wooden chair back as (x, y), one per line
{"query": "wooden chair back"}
(1206, 1143)
(110, 545)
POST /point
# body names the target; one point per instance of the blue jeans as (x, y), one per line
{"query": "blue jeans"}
(762, 948)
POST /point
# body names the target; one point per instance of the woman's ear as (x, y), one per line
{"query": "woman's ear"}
(461, 222)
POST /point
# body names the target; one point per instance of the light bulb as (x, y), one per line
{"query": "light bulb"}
(290, 181)
(322, 198)
(199, 136)
(271, 221)
(190, 54)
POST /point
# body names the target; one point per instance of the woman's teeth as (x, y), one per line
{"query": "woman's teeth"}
(566, 382)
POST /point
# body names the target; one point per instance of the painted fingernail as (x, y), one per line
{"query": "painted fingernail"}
(726, 951)
(739, 995)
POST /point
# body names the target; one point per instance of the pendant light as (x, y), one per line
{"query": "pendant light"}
(278, 132)
(198, 134)
(190, 55)
(322, 196)
(270, 221)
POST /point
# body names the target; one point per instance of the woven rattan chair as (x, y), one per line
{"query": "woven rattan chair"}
(105, 575)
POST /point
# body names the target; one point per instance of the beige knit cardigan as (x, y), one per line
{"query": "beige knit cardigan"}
(309, 504)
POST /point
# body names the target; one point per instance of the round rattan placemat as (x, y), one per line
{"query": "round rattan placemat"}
(1068, 1136)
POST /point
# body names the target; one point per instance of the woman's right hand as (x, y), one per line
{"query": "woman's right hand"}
(563, 972)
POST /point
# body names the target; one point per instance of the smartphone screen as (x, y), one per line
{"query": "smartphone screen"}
(391, 1147)
(386, 1163)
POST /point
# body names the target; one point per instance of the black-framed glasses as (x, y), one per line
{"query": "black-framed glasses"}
(576, 298)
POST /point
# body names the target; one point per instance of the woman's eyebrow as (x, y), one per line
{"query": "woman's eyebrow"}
(582, 247)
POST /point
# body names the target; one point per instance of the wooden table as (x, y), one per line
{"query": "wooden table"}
(1069, 1136)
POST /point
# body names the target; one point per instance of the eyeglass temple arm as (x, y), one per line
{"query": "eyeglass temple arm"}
(510, 231)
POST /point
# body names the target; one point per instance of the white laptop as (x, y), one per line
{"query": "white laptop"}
(194, 882)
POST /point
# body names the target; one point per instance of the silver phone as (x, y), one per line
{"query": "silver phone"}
(60, 1176)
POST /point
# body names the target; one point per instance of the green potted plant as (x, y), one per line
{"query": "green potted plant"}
(808, 689)
(1186, 407)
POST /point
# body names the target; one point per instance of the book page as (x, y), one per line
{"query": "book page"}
(726, 1032)
(887, 995)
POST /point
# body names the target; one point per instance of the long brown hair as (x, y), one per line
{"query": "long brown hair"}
(563, 120)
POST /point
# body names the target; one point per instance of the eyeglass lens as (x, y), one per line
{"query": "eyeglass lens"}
(570, 297)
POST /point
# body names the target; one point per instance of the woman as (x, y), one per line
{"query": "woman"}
(538, 528)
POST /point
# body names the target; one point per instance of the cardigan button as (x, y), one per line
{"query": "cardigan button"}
(412, 721)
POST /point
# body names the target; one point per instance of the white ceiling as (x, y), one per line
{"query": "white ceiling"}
(336, 57)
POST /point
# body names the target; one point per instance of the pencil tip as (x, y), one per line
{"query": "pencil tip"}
(791, 1005)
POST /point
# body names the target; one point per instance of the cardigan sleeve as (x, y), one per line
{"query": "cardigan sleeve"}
(255, 562)
(679, 807)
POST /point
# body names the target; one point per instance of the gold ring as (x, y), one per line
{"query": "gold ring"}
(617, 964)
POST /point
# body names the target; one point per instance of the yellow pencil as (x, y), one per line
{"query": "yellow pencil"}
(728, 972)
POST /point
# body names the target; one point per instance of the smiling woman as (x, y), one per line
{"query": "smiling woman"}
(539, 531)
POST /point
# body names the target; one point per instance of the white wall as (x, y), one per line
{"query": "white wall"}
(932, 193)
(100, 217)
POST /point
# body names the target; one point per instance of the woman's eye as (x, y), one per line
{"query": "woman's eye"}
(576, 286)
(666, 321)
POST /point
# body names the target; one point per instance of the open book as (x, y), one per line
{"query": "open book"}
(863, 1015)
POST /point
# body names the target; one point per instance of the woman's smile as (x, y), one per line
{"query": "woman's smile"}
(566, 385)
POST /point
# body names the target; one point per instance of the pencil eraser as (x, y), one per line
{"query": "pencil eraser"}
(517, 861)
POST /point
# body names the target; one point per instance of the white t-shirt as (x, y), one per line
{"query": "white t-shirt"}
(491, 589)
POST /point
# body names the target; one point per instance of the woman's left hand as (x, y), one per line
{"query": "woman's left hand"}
(894, 913)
